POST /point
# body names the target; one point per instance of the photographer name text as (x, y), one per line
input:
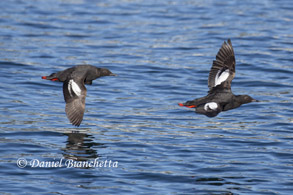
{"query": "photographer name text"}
(67, 163)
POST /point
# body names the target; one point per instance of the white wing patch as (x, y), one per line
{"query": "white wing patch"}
(73, 87)
(211, 106)
(221, 78)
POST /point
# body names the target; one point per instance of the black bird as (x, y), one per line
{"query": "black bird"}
(220, 97)
(74, 91)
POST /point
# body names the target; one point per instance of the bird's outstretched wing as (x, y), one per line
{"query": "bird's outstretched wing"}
(223, 69)
(74, 93)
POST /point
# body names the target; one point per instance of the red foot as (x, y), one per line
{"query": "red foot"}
(54, 79)
(192, 106)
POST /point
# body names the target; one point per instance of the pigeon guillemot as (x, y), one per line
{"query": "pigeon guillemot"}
(220, 97)
(74, 91)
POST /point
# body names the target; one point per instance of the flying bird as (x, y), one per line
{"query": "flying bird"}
(74, 91)
(220, 97)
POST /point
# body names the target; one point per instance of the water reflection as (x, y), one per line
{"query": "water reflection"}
(79, 147)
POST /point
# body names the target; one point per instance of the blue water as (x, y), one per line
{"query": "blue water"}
(162, 52)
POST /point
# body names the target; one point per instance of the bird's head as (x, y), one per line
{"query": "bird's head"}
(244, 99)
(106, 72)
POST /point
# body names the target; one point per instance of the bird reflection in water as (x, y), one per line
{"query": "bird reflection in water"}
(79, 147)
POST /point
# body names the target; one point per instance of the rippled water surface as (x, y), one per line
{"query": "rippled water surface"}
(162, 52)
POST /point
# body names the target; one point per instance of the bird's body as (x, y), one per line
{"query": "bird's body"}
(74, 90)
(220, 97)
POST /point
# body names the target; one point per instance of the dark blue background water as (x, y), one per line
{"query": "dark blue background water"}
(162, 52)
